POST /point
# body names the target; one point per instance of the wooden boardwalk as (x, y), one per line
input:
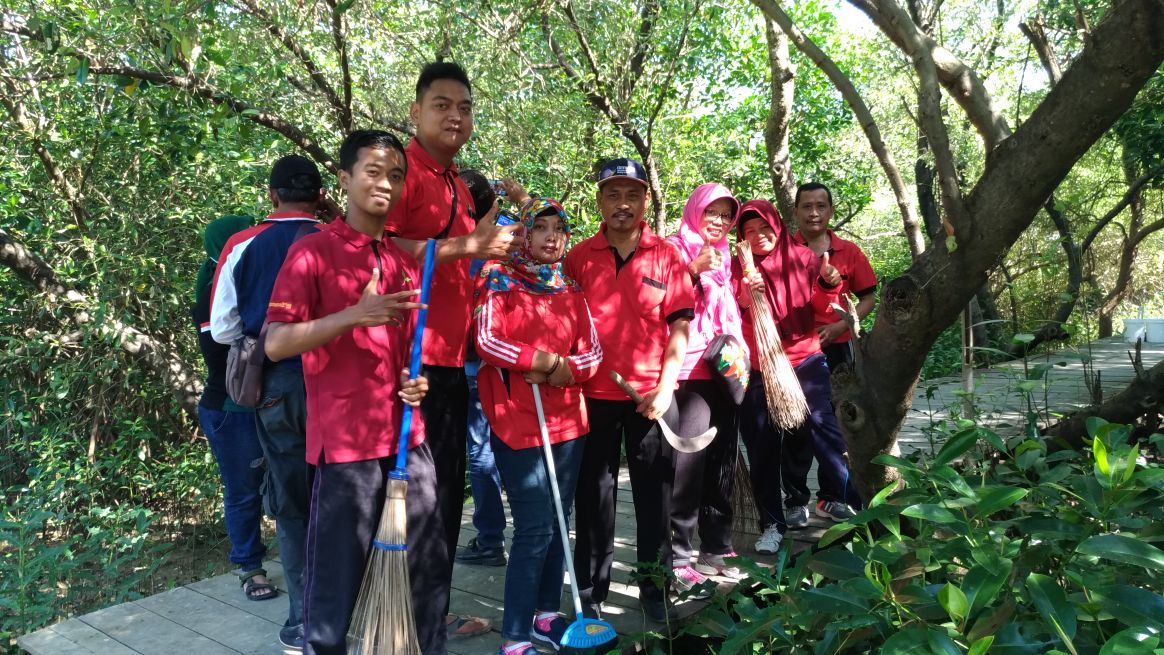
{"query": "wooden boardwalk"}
(211, 617)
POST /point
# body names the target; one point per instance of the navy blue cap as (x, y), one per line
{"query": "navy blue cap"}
(622, 169)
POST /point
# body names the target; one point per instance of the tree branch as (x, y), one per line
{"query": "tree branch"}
(201, 89)
(157, 356)
(587, 51)
(864, 116)
(638, 52)
(343, 111)
(962, 83)
(341, 48)
(671, 67)
(1036, 33)
(1128, 197)
(782, 88)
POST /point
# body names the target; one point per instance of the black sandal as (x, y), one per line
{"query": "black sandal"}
(257, 590)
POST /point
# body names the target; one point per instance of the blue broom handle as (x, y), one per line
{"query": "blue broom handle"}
(414, 361)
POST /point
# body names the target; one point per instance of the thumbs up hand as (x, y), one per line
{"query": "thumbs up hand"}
(375, 309)
(828, 272)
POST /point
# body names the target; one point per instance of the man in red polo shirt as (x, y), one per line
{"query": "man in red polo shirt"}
(641, 301)
(436, 204)
(343, 300)
(814, 210)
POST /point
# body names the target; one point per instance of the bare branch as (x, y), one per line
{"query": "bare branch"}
(1036, 33)
(584, 44)
(638, 52)
(671, 68)
(864, 116)
(1128, 197)
(341, 48)
(781, 84)
(201, 89)
(343, 111)
(962, 83)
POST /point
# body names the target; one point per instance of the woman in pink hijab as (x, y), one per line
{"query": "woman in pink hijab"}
(702, 492)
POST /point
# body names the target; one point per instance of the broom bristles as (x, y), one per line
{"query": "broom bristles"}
(786, 404)
(382, 621)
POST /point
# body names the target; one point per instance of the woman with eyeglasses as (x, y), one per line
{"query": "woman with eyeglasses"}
(713, 378)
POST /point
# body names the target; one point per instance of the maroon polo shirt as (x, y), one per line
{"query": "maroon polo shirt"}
(436, 204)
(353, 412)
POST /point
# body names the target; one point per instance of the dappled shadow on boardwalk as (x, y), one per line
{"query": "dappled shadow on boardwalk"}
(212, 617)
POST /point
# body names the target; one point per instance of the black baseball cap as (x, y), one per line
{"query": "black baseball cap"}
(622, 169)
(295, 172)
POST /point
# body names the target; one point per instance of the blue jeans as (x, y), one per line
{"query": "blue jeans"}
(533, 580)
(484, 481)
(234, 442)
(820, 437)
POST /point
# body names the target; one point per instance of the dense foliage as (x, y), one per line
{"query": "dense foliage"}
(129, 125)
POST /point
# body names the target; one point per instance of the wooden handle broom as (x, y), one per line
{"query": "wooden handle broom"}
(382, 621)
(786, 404)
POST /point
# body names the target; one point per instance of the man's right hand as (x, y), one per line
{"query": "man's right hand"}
(491, 241)
(388, 309)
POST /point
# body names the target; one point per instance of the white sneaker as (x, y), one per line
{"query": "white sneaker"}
(769, 542)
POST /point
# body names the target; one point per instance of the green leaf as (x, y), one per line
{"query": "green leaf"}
(956, 445)
(1132, 641)
(1051, 601)
(1102, 466)
(882, 495)
(344, 6)
(941, 644)
(836, 563)
(1130, 463)
(981, 646)
(1023, 337)
(951, 243)
(954, 602)
(1133, 606)
(1094, 423)
(83, 71)
(836, 532)
(1123, 548)
(930, 512)
(981, 585)
(833, 600)
(911, 641)
(950, 479)
(993, 499)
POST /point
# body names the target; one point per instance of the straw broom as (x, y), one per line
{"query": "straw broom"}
(382, 621)
(786, 404)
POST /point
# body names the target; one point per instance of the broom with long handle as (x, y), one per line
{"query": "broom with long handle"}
(583, 634)
(383, 622)
(786, 404)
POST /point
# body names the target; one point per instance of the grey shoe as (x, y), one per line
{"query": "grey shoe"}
(834, 510)
(796, 517)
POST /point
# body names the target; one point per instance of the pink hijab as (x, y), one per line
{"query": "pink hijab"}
(716, 311)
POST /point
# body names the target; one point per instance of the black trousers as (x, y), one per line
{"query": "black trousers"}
(704, 481)
(838, 353)
(446, 427)
(820, 437)
(764, 441)
(651, 463)
(346, 501)
(281, 419)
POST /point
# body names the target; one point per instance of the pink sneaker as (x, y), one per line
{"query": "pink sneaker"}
(688, 580)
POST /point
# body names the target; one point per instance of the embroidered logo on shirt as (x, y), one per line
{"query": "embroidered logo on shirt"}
(279, 305)
(654, 283)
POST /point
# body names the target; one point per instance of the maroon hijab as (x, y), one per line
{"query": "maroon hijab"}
(789, 272)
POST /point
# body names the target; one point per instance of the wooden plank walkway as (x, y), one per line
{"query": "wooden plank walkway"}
(211, 616)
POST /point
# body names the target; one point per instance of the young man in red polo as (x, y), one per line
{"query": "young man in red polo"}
(814, 210)
(641, 300)
(343, 300)
(436, 204)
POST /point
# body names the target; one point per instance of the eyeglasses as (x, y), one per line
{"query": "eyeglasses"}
(722, 218)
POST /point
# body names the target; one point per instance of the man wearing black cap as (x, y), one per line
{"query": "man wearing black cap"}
(247, 269)
(641, 300)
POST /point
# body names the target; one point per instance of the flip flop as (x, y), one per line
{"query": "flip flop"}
(257, 591)
(464, 627)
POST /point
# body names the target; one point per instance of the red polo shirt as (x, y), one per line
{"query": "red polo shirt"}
(632, 307)
(436, 204)
(857, 276)
(353, 412)
(511, 327)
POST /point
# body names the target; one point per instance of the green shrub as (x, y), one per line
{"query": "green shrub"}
(986, 546)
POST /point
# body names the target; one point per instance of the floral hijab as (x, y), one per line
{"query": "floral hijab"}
(525, 272)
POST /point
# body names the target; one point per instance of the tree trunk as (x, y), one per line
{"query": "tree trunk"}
(1143, 396)
(872, 401)
(782, 85)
